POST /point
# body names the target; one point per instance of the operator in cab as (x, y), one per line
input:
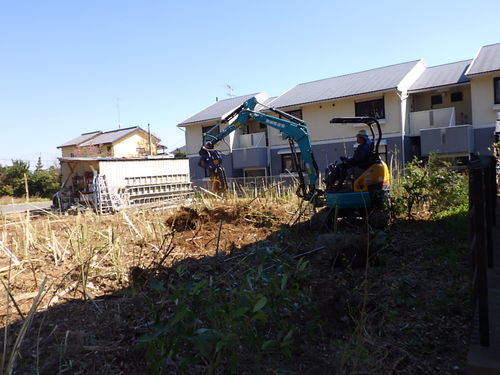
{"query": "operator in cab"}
(362, 158)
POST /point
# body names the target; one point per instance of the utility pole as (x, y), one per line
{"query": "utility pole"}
(150, 142)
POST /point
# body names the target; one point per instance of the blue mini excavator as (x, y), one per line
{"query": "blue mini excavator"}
(364, 192)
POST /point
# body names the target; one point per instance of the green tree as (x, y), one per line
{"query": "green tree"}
(14, 177)
(5, 188)
(44, 182)
(39, 164)
(179, 154)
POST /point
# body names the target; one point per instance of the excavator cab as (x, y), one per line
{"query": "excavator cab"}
(374, 174)
(368, 191)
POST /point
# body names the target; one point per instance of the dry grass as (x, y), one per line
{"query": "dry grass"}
(88, 256)
(84, 326)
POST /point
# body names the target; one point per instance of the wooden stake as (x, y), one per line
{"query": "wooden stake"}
(129, 222)
(218, 238)
(209, 192)
(10, 254)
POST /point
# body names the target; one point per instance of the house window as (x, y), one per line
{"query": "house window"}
(254, 172)
(456, 96)
(296, 113)
(382, 151)
(287, 163)
(496, 84)
(436, 99)
(206, 129)
(371, 108)
(141, 151)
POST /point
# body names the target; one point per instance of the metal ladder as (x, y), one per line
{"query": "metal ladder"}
(105, 201)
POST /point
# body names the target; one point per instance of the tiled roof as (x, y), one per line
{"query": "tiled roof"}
(379, 79)
(110, 137)
(82, 138)
(487, 60)
(216, 110)
(442, 75)
(100, 138)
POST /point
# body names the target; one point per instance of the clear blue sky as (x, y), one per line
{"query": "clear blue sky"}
(72, 66)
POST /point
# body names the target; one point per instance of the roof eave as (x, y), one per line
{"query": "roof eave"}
(338, 97)
(483, 73)
(184, 124)
(416, 91)
(204, 109)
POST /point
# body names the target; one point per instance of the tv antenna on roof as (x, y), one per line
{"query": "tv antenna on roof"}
(230, 90)
(118, 111)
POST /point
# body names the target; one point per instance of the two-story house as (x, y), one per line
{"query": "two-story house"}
(120, 143)
(381, 93)
(441, 113)
(455, 107)
(484, 77)
(449, 109)
(244, 152)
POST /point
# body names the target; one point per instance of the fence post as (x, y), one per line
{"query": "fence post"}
(493, 187)
(490, 201)
(480, 249)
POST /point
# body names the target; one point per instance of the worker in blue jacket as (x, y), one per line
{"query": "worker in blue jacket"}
(362, 158)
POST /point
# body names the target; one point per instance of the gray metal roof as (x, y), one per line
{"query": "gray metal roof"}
(487, 60)
(111, 136)
(442, 75)
(82, 138)
(216, 110)
(265, 103)
(379, 79)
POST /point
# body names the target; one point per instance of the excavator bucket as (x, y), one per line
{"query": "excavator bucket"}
(218, 181)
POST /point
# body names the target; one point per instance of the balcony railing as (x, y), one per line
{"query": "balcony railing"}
(458, 140)
(434, 118)
(251, 140)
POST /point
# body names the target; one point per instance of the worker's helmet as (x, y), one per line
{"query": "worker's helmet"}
(209, 145)
(362, 133)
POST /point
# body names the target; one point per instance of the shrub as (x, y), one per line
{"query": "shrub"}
(431, 186)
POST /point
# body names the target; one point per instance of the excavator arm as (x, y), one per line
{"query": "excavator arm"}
(241, 113)
(291, 128)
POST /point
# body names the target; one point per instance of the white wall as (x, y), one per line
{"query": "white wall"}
(128, 146)
(194, 137)
(318, 116)
(482, 98)
(463, 110)
(117, 170)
